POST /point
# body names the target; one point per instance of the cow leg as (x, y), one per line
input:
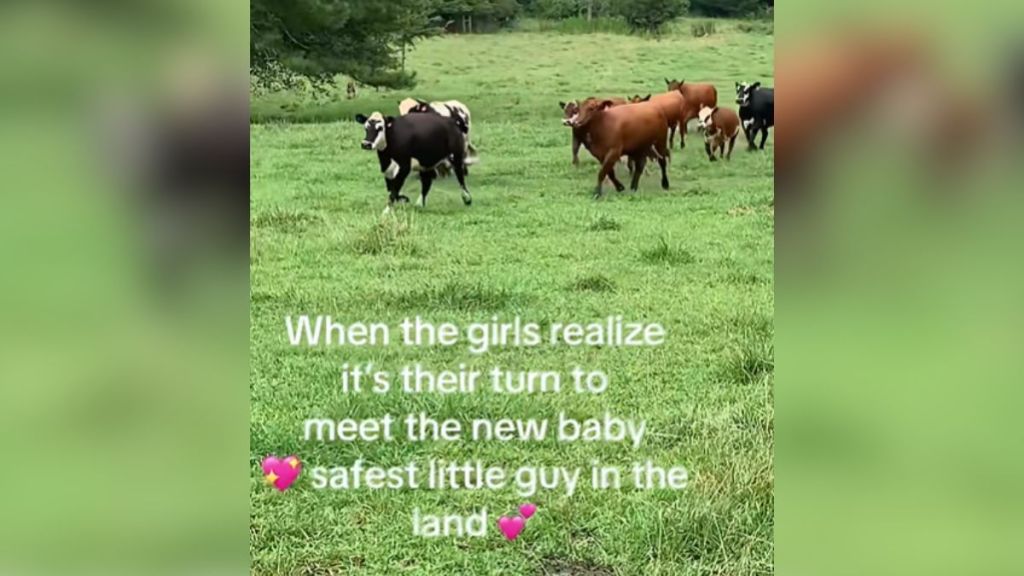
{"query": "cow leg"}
(661, 152)
(663, 164)
(707, 148)
(682, 135)
(395, 185)
(426, 179)
(460, 173)
(639, 161)
(764, 134)
(732, 142)
(608, 171)
(755, 126)
(575, 150)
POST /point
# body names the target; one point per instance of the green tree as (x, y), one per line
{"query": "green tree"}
(730, 8)
(316, 40)
(650, 15)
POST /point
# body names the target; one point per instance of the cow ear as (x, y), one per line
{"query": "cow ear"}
(755, 86)
(361, 118)
(561, 105)
(646, 98)
(667, 81)
(605, 104)
(389, 120)
(715, 109)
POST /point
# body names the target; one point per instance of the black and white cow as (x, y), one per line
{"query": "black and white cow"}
(418, 142)
(756, 109)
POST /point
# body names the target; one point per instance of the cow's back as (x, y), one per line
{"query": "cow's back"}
(698, 96)
(635, 126)
(671, 103)
(726, 121)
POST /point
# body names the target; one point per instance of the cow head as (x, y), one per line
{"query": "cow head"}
(590, 108)
(637, 98)
(458, 115)
(744, 92)
(569, 111)
(674, 84)
(706, 117)
(376, 125)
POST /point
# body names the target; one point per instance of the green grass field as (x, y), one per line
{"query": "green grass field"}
(697, 258)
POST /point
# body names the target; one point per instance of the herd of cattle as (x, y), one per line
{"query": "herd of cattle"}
(432, 138)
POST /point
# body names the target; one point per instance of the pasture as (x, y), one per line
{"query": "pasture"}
(698, 258)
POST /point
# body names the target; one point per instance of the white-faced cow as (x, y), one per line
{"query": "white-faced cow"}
(757, 110)
(418, 142)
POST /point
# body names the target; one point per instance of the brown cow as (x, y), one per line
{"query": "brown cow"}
(674, 106)
(616, 131)
(697, 96)
(579, 135)
(719, 125)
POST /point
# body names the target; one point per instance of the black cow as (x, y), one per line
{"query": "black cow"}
(757, 110)
(416, 141)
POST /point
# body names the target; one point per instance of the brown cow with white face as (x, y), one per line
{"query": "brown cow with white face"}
(719, 125)
(612, 132)
(697, 96)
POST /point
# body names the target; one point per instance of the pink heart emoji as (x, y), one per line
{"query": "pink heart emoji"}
(281, 473)
(511, 527)
(527, 510)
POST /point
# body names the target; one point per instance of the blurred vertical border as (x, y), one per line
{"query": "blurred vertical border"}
(899, 144)
(123, 276)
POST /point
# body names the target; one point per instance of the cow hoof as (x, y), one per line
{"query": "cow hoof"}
(403, 198)
(467, 199)
(619, 188)
(664, 184)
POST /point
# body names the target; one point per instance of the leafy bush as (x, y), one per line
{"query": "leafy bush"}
(701, 29)
(584, 26)
(729, 8)
(650, 16)
(766, 27)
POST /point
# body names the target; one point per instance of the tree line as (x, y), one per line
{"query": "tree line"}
(313, 41)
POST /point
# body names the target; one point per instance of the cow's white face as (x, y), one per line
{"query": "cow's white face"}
(705, 118)
(741, 93)
(375, 129)
(744, 91)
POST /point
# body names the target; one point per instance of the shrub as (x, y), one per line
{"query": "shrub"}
(701, 29)
(603, 223)
(766, 27)
(593, 283)
(650, 16)
(665, 253)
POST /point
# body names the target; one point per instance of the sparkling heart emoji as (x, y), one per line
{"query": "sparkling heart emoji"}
(281, 473)
(511, 527)
(527, 510)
